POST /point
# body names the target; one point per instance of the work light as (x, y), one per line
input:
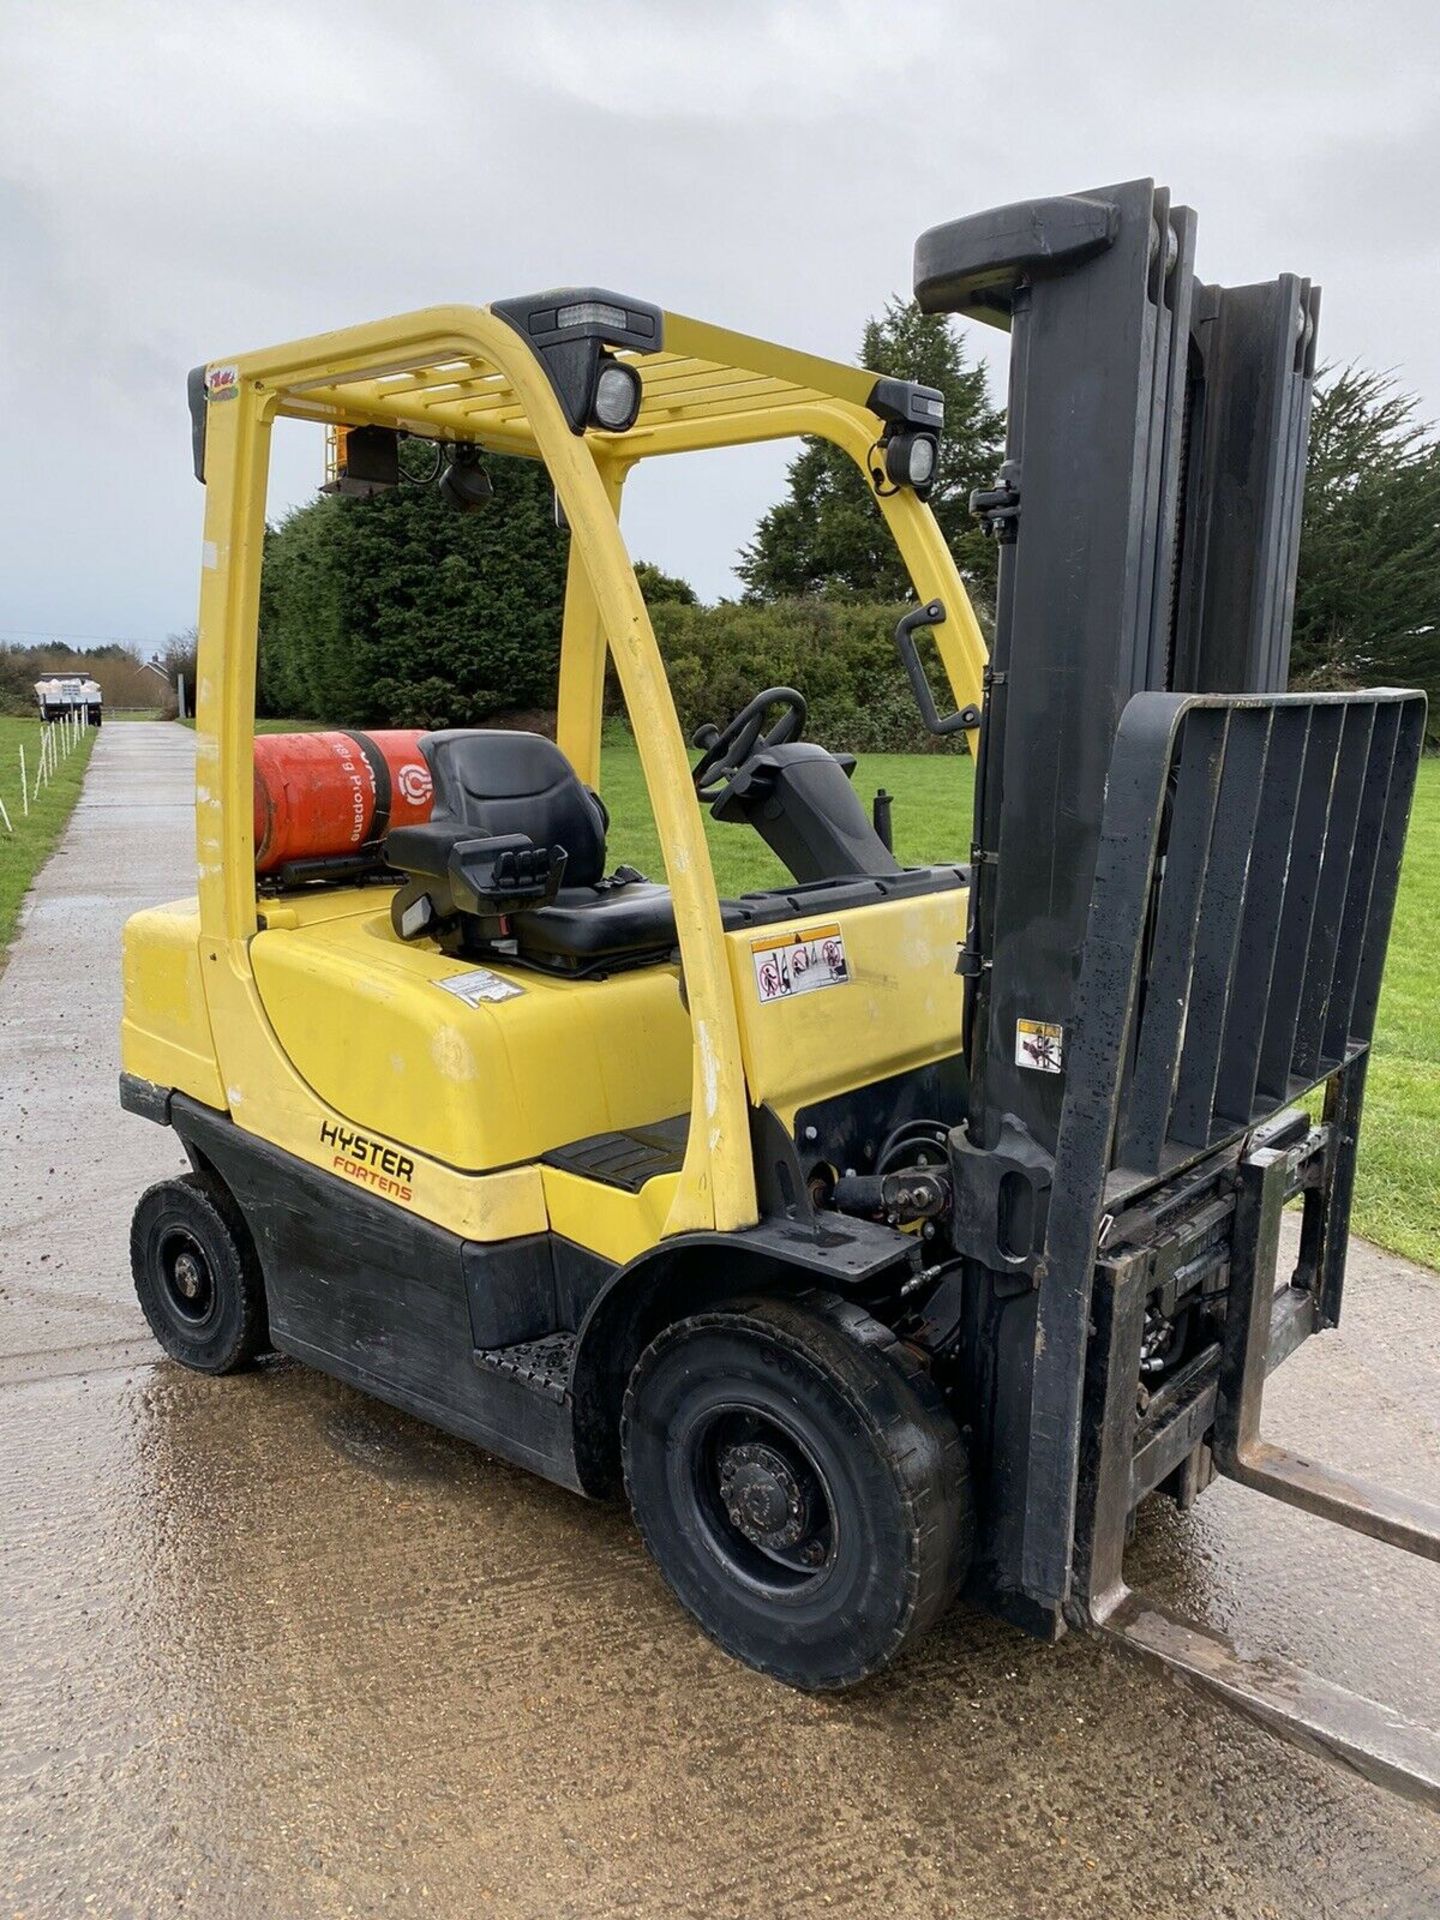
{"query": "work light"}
(616, 402)
(910, 460)
(465, 483)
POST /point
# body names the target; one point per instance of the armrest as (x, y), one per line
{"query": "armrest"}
(425, 850)
(500, 875)
(455, 872)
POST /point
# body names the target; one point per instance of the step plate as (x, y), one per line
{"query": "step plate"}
(543, 1364)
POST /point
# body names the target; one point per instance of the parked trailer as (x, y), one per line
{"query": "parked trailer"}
(60, 694)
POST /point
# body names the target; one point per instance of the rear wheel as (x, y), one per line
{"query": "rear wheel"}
(801, 1484)
(196, 1275)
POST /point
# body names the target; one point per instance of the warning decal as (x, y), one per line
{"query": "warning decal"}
(1039, 1045)
(480, 987)
(792, 963)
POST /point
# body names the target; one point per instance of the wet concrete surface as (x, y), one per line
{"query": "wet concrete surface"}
(270, 1649)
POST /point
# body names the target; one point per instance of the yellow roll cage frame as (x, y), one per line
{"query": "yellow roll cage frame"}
(463, 373)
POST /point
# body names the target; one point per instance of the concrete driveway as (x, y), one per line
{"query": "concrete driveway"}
(270, 1649)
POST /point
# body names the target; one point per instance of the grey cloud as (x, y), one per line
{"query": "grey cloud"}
(179, 183)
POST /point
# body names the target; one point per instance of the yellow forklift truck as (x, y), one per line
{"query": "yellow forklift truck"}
(897, 1231)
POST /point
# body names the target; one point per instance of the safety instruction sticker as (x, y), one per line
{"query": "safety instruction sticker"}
(1039, 1045)
(480, 987)
(791, 963)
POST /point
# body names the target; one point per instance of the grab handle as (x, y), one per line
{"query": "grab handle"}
(930, 615)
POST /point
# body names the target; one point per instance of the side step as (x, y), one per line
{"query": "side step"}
(1374, 1741)
(543, 1365)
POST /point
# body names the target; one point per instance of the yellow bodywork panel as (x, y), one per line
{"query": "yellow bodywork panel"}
(183, 994)
(897, 1003)
(616, 1224)
(368, 1023)
(165, 1032)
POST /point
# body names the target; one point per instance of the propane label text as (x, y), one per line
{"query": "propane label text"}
(1039, 1045)
(792, 963)
(361, 779)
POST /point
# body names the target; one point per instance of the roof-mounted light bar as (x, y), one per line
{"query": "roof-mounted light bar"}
(905, 403)
(570, 328)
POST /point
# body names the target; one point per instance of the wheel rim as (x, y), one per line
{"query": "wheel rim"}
(763, 1500)
(187, 1280)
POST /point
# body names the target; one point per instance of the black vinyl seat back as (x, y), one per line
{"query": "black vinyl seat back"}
(501, 783)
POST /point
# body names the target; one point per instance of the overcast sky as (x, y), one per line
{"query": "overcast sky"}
(182, 181)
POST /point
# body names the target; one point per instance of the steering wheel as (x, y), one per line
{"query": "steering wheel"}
(726, 749)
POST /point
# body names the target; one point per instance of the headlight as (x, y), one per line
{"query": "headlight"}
(616, 403)
(910, 459)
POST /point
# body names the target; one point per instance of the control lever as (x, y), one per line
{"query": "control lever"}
(503, 874)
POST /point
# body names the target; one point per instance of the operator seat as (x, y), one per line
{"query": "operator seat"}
(516, 795)
(492, 783)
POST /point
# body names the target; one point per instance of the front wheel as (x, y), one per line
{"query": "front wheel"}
(801, 1484)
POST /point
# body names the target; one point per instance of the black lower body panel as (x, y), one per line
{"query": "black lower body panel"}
(362, 1290)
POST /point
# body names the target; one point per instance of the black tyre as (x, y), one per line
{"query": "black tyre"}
(196, 1275)
(800, 1483)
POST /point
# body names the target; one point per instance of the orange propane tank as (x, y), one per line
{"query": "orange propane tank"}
(319, 796)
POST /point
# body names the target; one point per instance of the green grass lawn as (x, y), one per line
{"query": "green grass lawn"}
(25, 850)
(1397, 1190)
(1397, 1194)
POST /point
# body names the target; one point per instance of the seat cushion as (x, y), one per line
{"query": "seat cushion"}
(589, 924)
(594, 923)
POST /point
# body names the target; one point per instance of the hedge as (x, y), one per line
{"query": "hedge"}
(840, 654)
(398, 611)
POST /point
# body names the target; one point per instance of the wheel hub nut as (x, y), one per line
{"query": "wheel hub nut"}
(187, 1276)
(762, 1496)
